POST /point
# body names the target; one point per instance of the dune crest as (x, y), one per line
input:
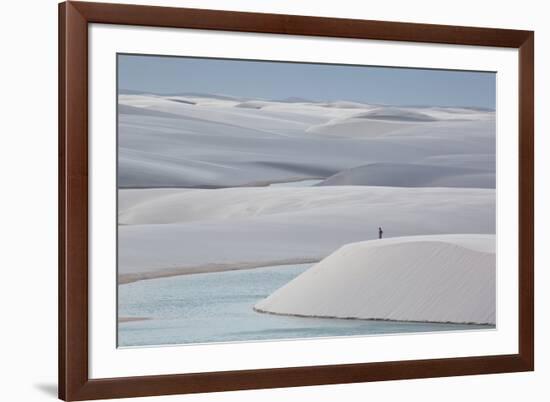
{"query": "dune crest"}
(412, 175)
(440, 278)
(396, 114)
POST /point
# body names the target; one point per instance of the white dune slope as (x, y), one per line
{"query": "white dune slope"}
(213, 141)
(412, 175)
(440, 278)
(166, 232)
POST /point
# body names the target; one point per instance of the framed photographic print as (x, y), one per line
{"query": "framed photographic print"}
(259, 200)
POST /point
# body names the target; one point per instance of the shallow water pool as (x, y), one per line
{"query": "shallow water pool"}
(218, 307)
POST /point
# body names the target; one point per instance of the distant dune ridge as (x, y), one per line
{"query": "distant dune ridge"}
(209, 141)
(412, 175)
(395, 114)
(445, 278)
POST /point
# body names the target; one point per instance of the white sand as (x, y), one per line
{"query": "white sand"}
(447, 278)
(173, 231)
(163, 206)
(209, 141)
(204, 142)
(413, 175)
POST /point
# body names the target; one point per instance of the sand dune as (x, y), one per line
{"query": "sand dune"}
(197, 140)
(253, 104)
(356, 128)
(482, 162)
(180, 153)
(347, 105)
(181, 231)
(167, 206)
(412, 175)
(421, 278)
(395, 114)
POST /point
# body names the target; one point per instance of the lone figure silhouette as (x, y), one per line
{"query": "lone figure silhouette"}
(380, 232)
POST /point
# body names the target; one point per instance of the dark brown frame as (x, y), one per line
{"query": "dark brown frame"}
(74, 383)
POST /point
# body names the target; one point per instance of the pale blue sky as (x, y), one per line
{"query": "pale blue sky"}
(319, 82)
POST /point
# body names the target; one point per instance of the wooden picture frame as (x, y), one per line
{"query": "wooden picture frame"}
(74, 381)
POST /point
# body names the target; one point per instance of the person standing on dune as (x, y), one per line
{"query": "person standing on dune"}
(380, 232)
